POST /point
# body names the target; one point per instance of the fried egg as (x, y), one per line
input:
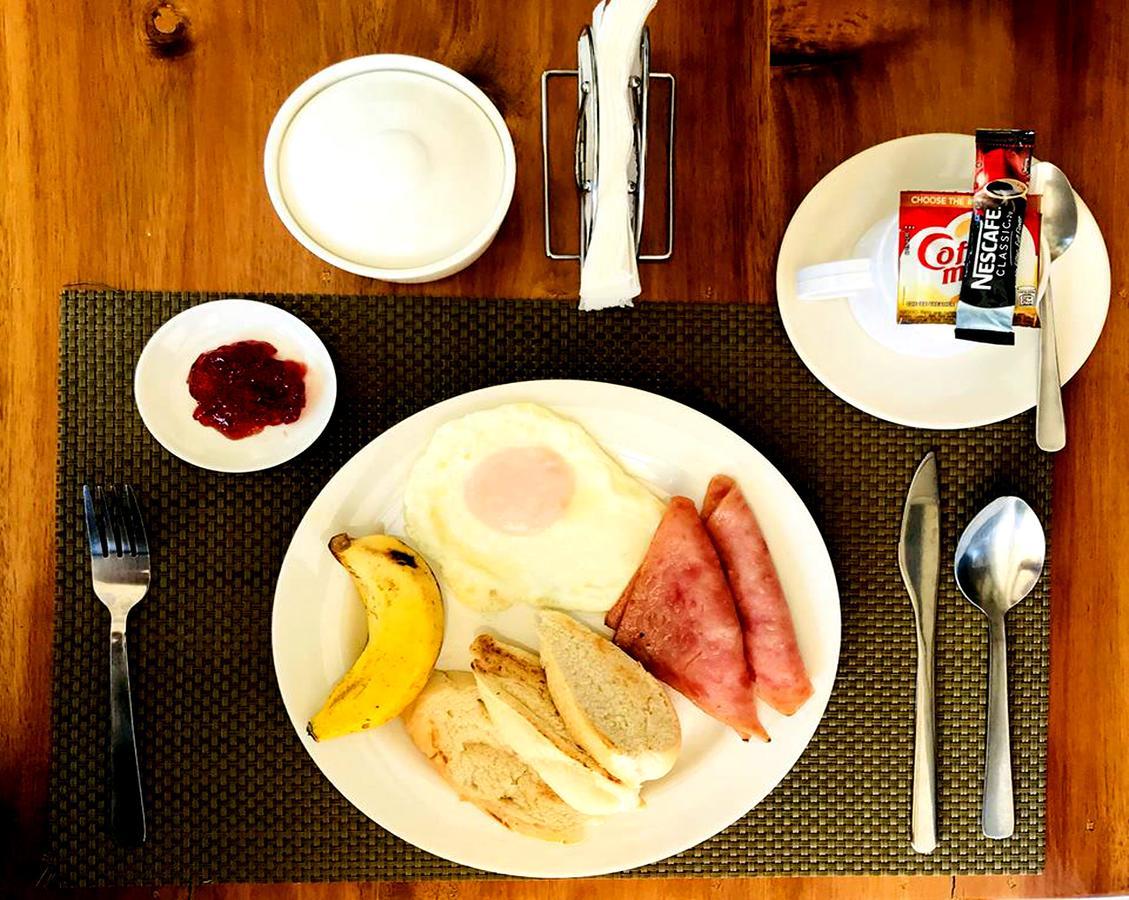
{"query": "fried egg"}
(517, 504)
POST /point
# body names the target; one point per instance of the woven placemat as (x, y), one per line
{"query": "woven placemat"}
(230, 792)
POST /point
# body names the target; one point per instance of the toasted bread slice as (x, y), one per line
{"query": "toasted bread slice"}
(449, 724)
(513, 687)
(613, 707)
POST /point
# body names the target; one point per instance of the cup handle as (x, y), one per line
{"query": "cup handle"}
(834, 280)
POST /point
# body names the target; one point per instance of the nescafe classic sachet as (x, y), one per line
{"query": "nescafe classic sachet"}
(987, 294)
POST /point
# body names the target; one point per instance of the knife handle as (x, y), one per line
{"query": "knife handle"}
(924, 815)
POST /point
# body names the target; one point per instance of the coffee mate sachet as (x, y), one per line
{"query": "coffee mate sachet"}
(933, 229)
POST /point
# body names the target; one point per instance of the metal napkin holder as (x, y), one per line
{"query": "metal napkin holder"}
(587, 147)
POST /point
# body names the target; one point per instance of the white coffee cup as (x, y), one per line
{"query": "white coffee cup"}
(869, 283)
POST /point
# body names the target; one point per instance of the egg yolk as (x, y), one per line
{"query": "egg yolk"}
(520, 490)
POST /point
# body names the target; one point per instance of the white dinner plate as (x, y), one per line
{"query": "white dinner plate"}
(984, 384)
(318, 630)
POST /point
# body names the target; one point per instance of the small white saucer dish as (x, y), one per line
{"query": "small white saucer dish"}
(391, 167)
(160, 384)
(971, 385)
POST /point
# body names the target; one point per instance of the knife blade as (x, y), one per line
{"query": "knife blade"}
(919, 558)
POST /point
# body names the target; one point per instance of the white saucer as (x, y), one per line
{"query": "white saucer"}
(160, 384)
(986, 383)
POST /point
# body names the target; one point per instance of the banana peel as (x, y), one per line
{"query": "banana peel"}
(405, 631)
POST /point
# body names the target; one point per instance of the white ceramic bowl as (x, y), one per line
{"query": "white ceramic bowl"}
(160, 384)
(392, 167)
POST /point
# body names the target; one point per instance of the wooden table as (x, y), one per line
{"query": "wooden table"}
(131, 136)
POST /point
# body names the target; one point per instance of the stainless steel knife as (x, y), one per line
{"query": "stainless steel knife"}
(919, 557)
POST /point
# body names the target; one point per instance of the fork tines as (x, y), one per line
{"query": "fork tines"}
(114, 526)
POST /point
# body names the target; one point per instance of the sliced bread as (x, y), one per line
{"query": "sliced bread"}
(513, 687)
(449, 724)
(612, 706)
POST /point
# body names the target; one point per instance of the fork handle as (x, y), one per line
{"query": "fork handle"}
(127, 809)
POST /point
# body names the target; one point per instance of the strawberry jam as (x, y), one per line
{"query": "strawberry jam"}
(242, 388)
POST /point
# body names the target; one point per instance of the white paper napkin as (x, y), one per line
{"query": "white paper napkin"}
(610, 274)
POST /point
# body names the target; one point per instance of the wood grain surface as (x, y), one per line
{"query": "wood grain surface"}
(131, 135)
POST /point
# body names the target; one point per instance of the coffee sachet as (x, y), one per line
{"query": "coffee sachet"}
(986, 306)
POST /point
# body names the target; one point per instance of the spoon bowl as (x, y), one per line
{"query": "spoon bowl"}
(1000, 556)
(1059, 208)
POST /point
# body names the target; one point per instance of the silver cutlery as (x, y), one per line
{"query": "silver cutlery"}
(919, 558)
(999, 559)
(119, 567)
(1059, 226)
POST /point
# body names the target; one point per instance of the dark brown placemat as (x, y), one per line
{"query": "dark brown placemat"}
(232, 795)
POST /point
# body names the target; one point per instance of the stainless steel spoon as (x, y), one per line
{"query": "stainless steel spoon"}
(998, 561)
(1059, 226)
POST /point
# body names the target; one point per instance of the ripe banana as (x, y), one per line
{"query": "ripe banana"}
(405, 632)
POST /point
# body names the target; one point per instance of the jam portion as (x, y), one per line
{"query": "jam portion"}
(242, 388)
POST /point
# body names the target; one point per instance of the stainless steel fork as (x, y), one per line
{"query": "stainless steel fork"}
(119, 565)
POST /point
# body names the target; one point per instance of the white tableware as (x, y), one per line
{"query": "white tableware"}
(160, 384)
(391, 167)
(318, 629)
(980, 385)
(869, 283)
